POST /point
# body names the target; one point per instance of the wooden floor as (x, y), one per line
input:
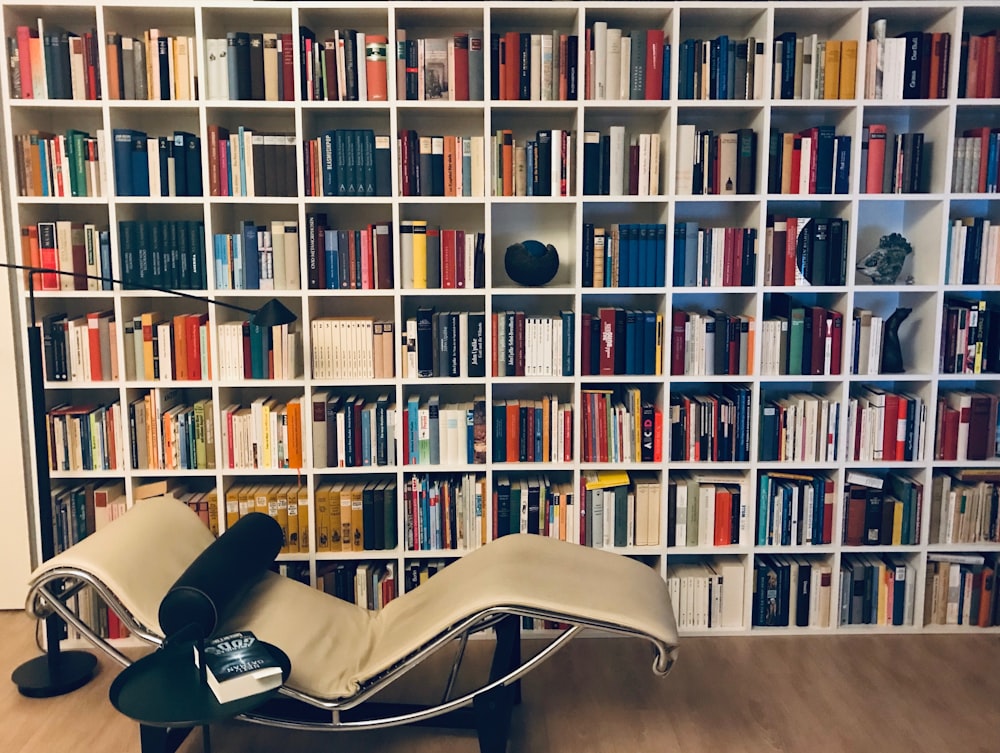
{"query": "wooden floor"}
(878, 693)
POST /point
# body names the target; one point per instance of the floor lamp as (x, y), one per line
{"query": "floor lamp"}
(57, 672)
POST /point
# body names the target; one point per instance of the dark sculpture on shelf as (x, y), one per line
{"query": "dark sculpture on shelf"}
(884, 264)
(531, 263)
(892, 352)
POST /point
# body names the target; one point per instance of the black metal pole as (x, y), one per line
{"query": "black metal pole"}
(56, 672)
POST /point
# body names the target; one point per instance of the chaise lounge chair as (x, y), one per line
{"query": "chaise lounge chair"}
(161, 570)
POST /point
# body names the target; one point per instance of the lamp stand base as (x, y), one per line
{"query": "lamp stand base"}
(42, 677)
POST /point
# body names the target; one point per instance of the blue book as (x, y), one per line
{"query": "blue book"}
(329, 165)
(251, 256)
(658, 241)
(529, 164)
(470, 432)
(412, 407)
(842, 170)
(179, 153)
(631, 342)
(122, 150)
(331, 242)
(691, 255)
(722, 42)
(163, 147)
(140, 164)
(649, 343)
(366, 435)
(105, 246)
(219, 254)
(680, 248)
(991, 168)
(242, 162)
(231, 65)
(236, 262)
(665, 93)
(539, 418)
(636, 257)
(824, 159)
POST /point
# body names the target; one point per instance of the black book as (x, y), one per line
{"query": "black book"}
(425, 341)
(370, 520)
(351, 63)
(591, 163)
(479, 261)
(837, 252)
(163, 50)
(524, 77)
(243, 73)
(746, 161)
(413, 70)
(477, 345)
(382, 166)
(820, 251)
(572, 72)
(587, 260)
(543, 186)
(913, 83)
(494, 66)
(256, 66)
(873, 516)
(604, 187)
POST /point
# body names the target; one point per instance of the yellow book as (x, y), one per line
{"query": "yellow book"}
(260, 499)
(232, 505)
(897, 522)
(323, 519)
(357, 518)
(420, 253)
(246, 500)
(305, 536)
(883, 592)
(336, 529)
(346, 520)
(212, 500)
(292, 511)
(848, 68)
(659, 345)
(181, 65)
(831, 69)
(607, 479)
(277, 508)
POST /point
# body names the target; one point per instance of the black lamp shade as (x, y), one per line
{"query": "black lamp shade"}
(273, 314)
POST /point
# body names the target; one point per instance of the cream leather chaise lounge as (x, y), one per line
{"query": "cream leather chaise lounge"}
(159, 568)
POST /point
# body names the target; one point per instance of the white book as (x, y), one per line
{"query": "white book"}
(727, 163)
(684, 171)
(625, 68)
(613, 64)
(654, 164)
(599, 66)
(557, 137)
(805, 165)
(644, 157)
(535, 67)
(549, 66)
(617, 182)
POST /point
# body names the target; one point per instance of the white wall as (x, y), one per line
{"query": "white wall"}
(15, 561)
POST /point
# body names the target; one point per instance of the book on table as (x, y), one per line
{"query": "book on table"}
(239, 665)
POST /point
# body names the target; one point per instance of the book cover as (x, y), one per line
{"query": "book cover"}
(238, 665)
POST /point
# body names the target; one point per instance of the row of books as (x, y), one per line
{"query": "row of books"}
(534, 66)
(791, 590)
(619, 341)
(794, 509)
(802, 340)
(807, 67)
(622, 255)
(166, 347)
(350, 431)
(352, 348)
(258, 257)
(800, 428)
(346, 66)
(882, 511)
(620, 164)
(876, 590)
(163, 253)
(970, 337)
(248, 351)
(348, 259)
(157, 165)
(977, 66)
(538, 505)
(265, 434)
(524, 345)
(439, 165)
(972, 253)
(444, 512)
(542, 166)
(811, 161)
(80, 509)
(961, 590)
(369, 585)
(449, 68)
(965, 512)
(617, 509)
(356, 517)
(288, 504)
(720, 68)
(433, 257)
(59, 165)
(711, 427)
(869, 331)
(706, 511)
(157, 67)
(168, 433)
(912, 65)
(706, 344)
(80, 349)
(715, 163)
(976, 161)
(802, 251)
(885, 426)
(532, 431)
(966, 426)
(707, 595)
(250, 66)
(891, 163)
(437, 433)
(343, 162)
(55, 64)
(85, 437)
(626, 64)
(619, 427)
(444, 344)
(244, 162)
(67, 246)
(714, 257)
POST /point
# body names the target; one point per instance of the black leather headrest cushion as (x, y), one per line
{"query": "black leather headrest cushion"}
(220, 576)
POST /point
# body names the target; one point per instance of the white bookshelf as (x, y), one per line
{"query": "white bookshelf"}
(923, 218)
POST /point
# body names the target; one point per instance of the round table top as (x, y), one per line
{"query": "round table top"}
(165, 689)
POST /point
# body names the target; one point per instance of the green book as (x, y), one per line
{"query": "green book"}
(796, 333)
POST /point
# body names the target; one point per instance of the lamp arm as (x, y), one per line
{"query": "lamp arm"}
(32, 271)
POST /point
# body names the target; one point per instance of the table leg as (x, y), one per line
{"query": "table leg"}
(206, 737)
(161, 739)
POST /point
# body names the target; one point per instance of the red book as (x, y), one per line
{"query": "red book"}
(447, 258)
(24, 61)
(818, 348)
(857, 502)
(461, 82)
(180, 325)
(494, 360)
(835, 325)
(678, 342)
(94, 342)
(602, 429)
(904, 406)
(796, 164)
(376, 65)
(728, 256)
(889, 426)
(877, 134)
(723, 516)
(247, 359)
(48, 252)
(983, 134)
(654, 64)
(949, 434)
(367, 260)
(519, 343)
(791, 240)
(513, 65)
(287, 67)
(585, 344)
(987, 59)
(460, 270)
(568, 437)
(513, 430)
(607, 341)
(657, 436)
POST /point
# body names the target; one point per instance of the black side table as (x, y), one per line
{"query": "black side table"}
(166, 694)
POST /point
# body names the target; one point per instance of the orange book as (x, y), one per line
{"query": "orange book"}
(507, 156)
(513, 430)
(832, 63)
(723, 516)
(113, 65)
(180, 346)
(848, 67)
(512, 86)
(376, 67)
(294, 433)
